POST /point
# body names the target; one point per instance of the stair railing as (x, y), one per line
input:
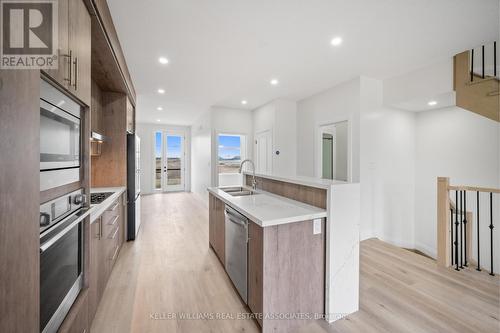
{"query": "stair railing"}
(454, 227)
(482, 73)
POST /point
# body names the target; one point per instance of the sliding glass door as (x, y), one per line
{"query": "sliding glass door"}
(169, 161)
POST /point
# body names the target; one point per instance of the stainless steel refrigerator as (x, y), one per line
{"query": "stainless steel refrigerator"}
(133, 185)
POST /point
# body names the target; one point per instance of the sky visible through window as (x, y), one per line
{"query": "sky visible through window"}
(229, 147)
(173, 146)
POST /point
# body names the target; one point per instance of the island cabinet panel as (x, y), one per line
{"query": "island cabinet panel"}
(286, 273)
(211, 220)
(255, 268)
(307, 194)
(217, 227)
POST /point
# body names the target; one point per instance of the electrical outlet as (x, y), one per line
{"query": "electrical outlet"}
(316, 226)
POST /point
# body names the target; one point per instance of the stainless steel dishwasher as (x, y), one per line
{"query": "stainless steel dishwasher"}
(236, 250)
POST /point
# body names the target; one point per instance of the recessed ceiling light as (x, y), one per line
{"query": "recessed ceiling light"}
(432, 103)
(244, 102)
(158, 120)
(159, 108)
(336, 41)
(161, 91)
(163, 60)
(274, 82)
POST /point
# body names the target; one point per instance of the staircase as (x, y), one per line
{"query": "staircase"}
(477, 81)
(466, 221)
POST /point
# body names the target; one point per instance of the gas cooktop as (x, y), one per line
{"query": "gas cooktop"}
(97, 198)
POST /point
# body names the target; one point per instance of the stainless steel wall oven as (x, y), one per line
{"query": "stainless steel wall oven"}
(61, 257)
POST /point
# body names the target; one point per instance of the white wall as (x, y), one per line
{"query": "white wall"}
(464, 146)
(427, 82)
(339, 103)
(279, 117)
(146, 132)
(387, 168)
(201, 138)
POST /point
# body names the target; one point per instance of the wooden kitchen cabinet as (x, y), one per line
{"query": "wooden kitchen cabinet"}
(217, 227)
(79, 42)
(106, 239)
(98, 270)
(96, 108)
(74, 49)
(61, 74)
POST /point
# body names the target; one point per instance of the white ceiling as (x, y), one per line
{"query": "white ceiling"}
(223, 51)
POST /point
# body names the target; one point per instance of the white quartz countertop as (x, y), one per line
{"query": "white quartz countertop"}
(97, 210)
(267, 209)
(301, 180)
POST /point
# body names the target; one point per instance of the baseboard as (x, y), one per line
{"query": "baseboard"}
(426, 250)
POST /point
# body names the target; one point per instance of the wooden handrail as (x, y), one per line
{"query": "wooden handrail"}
(473, 189)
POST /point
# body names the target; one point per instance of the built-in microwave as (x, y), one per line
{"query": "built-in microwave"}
(60, 138)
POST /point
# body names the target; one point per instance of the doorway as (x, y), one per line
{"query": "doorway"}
(263, 152)
(169, 162)
(334, 155)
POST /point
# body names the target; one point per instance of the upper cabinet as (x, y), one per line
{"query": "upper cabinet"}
(73, 71)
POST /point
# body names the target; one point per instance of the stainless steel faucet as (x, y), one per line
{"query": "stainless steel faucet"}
(254, 183)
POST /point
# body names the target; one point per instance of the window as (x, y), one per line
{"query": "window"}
(229, 153)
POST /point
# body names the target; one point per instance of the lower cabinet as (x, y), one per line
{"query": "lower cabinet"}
(217, 227)
(106, 238)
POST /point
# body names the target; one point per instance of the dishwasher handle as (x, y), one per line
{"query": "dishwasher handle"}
(236, 217)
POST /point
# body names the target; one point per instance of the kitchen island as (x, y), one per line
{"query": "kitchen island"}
(285, 265)
(282, 215)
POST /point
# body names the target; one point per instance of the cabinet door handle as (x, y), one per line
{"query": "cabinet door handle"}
(76, 73)
(100, 227)
(70, 67)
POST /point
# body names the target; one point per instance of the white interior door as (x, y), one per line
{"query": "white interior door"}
(264, 152)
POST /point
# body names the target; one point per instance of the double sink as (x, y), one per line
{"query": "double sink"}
(239, 191)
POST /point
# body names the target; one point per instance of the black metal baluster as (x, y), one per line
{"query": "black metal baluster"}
(494, 58)
(478, 262)
(482, 51)
(472, 66)
(491, 231)
(456, 230)
(461, 232)
(465, 228)
(451, 237)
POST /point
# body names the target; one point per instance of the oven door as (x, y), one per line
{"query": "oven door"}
(61, 266)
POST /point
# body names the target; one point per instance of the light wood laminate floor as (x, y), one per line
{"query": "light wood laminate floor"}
(169, 270)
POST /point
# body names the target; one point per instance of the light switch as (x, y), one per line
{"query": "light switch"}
(316, 226)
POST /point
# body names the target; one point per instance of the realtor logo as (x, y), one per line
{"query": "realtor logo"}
(29, 34)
